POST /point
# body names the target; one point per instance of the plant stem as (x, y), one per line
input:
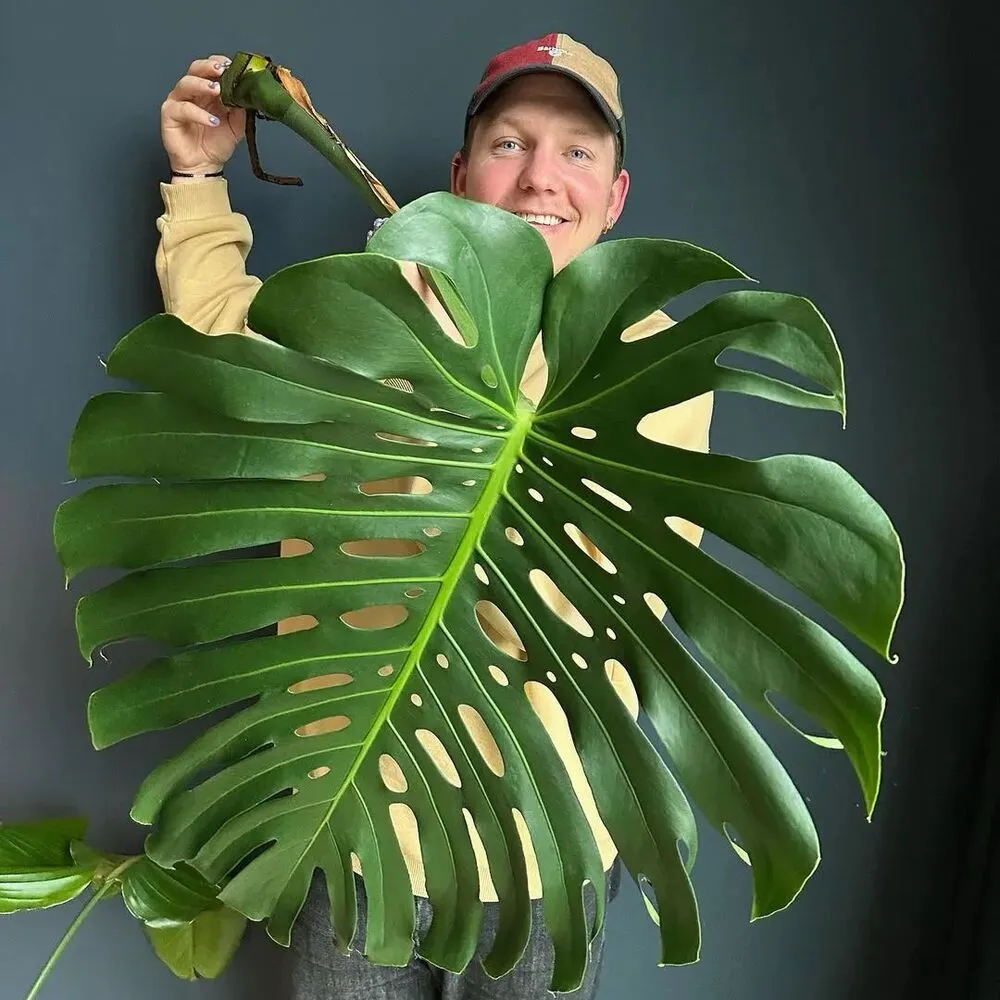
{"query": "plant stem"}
(98, 895)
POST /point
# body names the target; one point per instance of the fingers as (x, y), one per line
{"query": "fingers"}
(183, 112)
(211, 68)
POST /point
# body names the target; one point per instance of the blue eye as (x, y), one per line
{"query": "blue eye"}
(585, 154)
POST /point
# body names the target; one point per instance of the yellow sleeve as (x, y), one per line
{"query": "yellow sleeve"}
(201, 257)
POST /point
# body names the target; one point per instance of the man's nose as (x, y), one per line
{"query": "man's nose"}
(540, 172)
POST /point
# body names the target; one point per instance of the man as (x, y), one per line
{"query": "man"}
(544, 139)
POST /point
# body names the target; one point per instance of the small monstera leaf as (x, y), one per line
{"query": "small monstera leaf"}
(549, 526)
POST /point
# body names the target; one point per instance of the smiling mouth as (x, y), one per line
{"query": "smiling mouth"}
(543, 223)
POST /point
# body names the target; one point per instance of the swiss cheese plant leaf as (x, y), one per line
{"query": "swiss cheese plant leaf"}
(471, 557)
(37, 869)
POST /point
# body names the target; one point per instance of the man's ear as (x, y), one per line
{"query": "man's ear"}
(619, 192)
(459, 169)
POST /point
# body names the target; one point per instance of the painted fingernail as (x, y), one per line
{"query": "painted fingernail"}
(219, 66)
(213, 84)
(213, 119)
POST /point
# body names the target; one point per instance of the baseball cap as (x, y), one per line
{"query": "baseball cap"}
(556, 53)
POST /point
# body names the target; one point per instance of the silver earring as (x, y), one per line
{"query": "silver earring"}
(609, 225)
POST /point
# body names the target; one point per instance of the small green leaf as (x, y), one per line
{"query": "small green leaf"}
(162, 897)
(202, 948)
(36, 868)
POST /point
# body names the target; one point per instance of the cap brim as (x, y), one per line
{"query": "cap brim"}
(602, 105)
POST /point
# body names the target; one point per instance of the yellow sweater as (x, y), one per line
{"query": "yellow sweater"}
(201, 266)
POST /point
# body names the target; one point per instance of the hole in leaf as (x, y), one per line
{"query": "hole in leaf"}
(513, 535)
(297, 623)
(416, 699)
(442, 661)
(468, 482)
(331, 724)
(535, 495)
(619, 598)
(731, 836)
(291, 547)
(414, 592)
(622, 685)
(376, 616)
(397, 486)
(489, 376)
(527, 846)
(558, 603)
(518, 467)
(391, 774)
(498, 629)
(499, 676)
(793, 716)
(439, 755)
(383, 548)
(585, 545)
(601, 491)
(547, 461)
(551, 676)
(655, 604)
(404, 826)
(432, 531)
(319, 772)
(405, 439)
(386, 670)
(477, 450)
(483, 738)
(320, 683)
(587, 433)
(579, 661)
(403, 384)
(481, 575)
(611, 633)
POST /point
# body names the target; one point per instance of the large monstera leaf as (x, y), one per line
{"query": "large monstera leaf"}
(533, 510)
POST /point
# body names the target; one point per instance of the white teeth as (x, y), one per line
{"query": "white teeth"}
(542, 220)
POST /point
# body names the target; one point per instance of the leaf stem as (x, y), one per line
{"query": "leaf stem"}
(98, 895)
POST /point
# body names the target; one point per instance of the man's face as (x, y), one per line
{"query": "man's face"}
(545, 150)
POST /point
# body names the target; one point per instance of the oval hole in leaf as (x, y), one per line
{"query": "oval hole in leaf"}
(442, 661)
(320, 683)
(788, 712)
(483, 738)
(558, 603)
(319, 772)
(498, 629)
(405, 439)
(584, 544)
(601, 491)
(548, 461)
(535, 495)
(437, 753)
(489, 376)
(403, 384)
(513, 535)
(499, 676)
(621, 683)
(579, 661)
(414, 592)
(376, 616)
(386, 670)
(331, 724)
(391, 774)
(397, 486)
(587, 433)
(292, 547)
(656, 604)
(551, 676)
(432, 531)
(481, 575)
(416, 699)
(383, 548)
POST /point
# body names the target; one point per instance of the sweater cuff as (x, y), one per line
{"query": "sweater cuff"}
(196, 201)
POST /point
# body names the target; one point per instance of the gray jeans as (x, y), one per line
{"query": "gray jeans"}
(320, 972)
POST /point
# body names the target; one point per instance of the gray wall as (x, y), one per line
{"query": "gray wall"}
(813, 144)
